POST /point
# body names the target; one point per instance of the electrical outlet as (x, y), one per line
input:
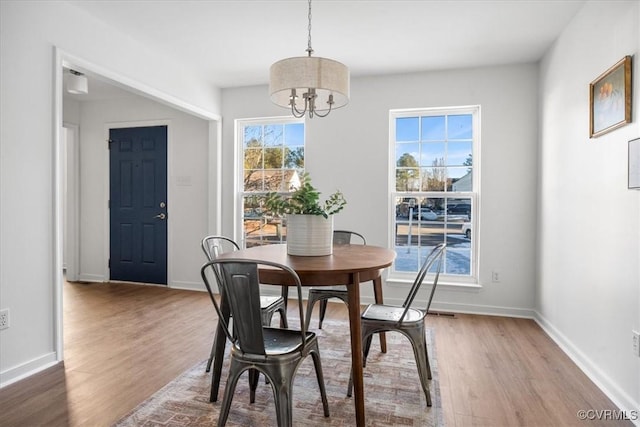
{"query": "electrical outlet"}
(495, 276)
(4, 318)
(636, 343)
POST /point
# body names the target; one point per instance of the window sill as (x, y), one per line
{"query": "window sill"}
(448, 284)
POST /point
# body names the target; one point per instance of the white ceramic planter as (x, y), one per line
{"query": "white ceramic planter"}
(309, 235)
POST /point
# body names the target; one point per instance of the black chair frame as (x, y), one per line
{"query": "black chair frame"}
(275, 352)
(407, 320)
(213, 246)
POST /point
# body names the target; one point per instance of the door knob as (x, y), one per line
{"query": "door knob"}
(160, 216)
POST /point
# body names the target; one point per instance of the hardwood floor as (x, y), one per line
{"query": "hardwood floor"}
(124, 342)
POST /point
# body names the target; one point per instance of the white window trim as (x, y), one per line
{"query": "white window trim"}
(473, 280)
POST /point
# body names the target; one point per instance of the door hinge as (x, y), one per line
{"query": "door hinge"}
(109, 142)
(109, 263)
(109, 204)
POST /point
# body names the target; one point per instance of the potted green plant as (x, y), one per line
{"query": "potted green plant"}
(309, 220)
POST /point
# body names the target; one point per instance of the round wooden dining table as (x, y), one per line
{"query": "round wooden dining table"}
(349, 265)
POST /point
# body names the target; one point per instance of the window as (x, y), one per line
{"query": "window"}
(435, 188)
(272, 159)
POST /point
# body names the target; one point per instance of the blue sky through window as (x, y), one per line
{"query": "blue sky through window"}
(294, 134)
(407, 129)
(433, 128)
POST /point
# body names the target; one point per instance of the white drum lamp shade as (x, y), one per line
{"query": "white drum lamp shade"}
(300, 74)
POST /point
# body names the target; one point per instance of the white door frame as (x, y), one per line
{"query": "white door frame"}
(71, 174)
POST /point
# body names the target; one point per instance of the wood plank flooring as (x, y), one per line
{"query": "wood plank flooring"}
(123, 342)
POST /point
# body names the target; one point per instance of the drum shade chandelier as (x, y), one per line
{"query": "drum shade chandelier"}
(309, 84)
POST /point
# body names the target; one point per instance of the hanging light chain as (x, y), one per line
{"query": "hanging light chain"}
(309, 48)
(305, 100)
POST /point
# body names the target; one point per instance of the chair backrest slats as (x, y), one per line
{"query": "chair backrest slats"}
(241, 288)
(343, 237)
(214, 246)
(239, 284)
(435, 257)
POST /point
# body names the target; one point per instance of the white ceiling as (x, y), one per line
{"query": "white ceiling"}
(233, 43)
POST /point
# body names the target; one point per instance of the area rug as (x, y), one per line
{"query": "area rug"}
(393, 395)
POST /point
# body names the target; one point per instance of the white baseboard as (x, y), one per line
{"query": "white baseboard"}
(84, 277)
(621, 399)
(188, 286)
(27, 369)
(487, 310)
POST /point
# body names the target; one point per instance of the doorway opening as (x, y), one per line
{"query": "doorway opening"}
(68, 190)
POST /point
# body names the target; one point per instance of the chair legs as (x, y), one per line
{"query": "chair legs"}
(315, 355)
(254, 376)
(322, 299)
(307, 316)
(426, 352)
(418, 342)
(211, 355)
(284, 405)
(283, 318)
(323, 311)
(281, 379)
(267, 316)
(234, 373)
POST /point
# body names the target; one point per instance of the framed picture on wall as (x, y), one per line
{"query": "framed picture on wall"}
(634, 164)
(610, 99)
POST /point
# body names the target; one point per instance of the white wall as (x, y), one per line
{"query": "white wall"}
(349, 150)
(588, 290)
(187, 191)
(29, 33)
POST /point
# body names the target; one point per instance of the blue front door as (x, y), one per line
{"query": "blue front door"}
(138, 204)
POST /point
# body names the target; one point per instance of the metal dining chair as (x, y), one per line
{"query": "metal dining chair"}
(213, 246)
(275, 352)
(406, 320)
(323, 293)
